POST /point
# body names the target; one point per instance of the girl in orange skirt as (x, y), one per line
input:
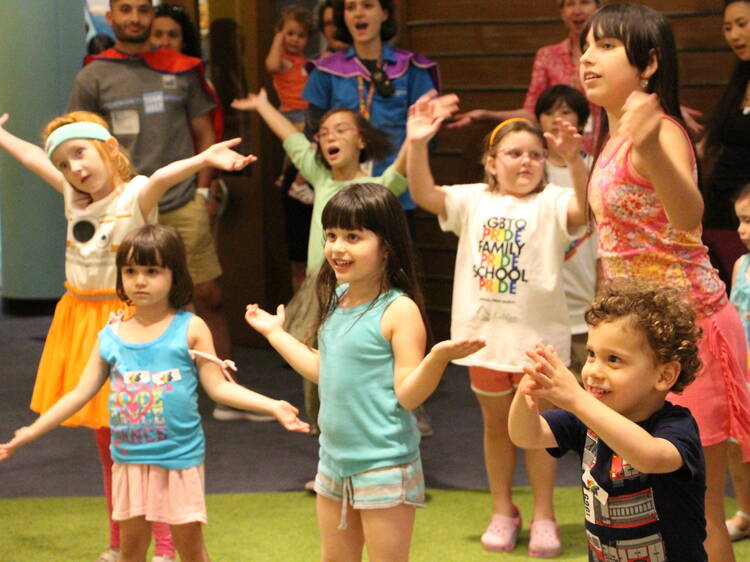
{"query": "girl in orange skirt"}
(104, 200)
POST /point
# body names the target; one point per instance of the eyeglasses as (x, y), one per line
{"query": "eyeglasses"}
(339, 130)
(515, 154)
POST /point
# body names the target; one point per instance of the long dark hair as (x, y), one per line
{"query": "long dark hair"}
(372, 207)
(730, 101)
(643, 31)
(191, 44)
(387, 31)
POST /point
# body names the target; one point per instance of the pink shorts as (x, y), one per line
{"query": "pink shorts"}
(719, 398)
(174, 497)
(493, 383)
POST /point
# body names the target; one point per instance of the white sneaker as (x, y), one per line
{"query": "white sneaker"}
(109, 555)
(224, 413)
(163, 559)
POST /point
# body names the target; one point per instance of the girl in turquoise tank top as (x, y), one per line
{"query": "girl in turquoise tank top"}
(372, 369)
(154, 360)
(739, 524)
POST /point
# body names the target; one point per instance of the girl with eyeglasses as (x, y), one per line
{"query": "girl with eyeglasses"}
(513, 230)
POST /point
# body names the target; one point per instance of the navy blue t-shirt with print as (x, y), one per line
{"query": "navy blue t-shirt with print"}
(634, 516)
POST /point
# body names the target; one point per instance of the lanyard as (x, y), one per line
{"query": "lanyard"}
(365, 100)
(365, 105)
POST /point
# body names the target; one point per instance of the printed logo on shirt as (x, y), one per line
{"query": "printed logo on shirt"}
(500, 248)
(169, 81)
(620, 471)
(153, 102)
(125, 122)
(136, 406)
(643, 549)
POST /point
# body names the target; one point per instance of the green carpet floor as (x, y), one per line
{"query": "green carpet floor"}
(273, 527)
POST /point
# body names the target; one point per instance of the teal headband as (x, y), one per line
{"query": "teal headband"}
(79, 130)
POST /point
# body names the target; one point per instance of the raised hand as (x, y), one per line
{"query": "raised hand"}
(286, 415)
(251, 102)
(262, 321)
(568, 142)
(641, 119)
(221, 156)
(4, 119)
(551, 379)
(450, 350)
(421, 125)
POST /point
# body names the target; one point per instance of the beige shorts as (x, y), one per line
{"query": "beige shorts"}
(175, 497)
(191, 221)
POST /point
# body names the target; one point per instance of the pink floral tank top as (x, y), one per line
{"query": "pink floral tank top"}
(636, 239)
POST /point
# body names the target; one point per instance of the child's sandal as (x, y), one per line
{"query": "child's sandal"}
(545, 539)
(502, 532)
(737, 533)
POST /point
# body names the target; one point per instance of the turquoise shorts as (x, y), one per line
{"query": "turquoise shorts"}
(379, 488)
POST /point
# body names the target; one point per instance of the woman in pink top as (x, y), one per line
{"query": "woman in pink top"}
(644, 194)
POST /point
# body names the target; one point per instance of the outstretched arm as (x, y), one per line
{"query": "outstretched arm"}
(31, 156)
(478, 115)
(662, 153)
(568, 144)
(93, 377)
(279, 124)
(554, 382)
(220, 155)
(301, 358)
(417, 375)
(230, 393)
(420, 128)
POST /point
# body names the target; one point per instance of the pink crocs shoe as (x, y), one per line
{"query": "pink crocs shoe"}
(502, 532)
(545, 539)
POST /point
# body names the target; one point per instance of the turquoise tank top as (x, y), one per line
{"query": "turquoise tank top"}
(362, 424)
(740, 296)
(153, 403)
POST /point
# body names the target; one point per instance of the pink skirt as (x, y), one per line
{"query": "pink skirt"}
(175, 497)
(718, 398)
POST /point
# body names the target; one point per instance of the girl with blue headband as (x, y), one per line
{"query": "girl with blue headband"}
(104, 200)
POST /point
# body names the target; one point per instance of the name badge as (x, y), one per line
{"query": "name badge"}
(153, 102)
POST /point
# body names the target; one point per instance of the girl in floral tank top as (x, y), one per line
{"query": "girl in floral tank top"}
(644, 195)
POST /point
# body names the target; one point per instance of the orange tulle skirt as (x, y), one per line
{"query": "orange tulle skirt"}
(79, 316)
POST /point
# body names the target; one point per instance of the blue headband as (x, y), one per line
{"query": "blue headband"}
(79, 130)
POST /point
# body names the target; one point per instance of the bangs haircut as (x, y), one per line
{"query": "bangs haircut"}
(553, 96)
(378, 144)
(645, 33)
(370, 206)
(154, 244)
(387, 31)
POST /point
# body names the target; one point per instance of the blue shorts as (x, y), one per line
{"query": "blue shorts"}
(379, 488)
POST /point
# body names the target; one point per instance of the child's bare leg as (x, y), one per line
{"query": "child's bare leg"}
(135, 536)
(388, 532)
(188, 540)
(717, 543)
(338, 545)
(499, 451)
(740, 473)
(541, 468)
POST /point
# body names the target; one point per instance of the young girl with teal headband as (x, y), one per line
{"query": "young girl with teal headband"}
(508, 290)
(104, 200)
